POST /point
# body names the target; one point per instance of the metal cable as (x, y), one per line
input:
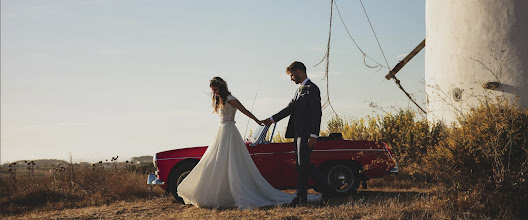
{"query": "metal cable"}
(327, 57)
(359, 48)
(397, 81)
(252, 108)
(387, 62)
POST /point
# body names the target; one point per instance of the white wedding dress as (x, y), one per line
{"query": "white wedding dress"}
(226, 176)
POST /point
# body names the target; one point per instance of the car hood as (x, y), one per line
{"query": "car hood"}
(182, 152)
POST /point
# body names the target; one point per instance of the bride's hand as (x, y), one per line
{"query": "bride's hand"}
(267, 122)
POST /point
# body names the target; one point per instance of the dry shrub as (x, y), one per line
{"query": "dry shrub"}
(407, 136)
(480, 162)
(484, 159)
(78, 187)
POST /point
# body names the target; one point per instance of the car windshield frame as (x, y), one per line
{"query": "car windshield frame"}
(259, 136)
(255, 135)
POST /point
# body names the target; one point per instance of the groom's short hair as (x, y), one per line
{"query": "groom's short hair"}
(296, 66)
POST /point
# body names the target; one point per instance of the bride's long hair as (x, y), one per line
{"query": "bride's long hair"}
(219, 100)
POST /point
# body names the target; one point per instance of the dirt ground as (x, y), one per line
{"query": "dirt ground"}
(364, 205)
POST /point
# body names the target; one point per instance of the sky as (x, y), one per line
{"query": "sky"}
(96, 79)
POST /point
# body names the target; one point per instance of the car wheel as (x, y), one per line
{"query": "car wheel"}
(342, 178)
(176, 177)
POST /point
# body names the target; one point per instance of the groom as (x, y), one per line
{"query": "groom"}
(304, 125)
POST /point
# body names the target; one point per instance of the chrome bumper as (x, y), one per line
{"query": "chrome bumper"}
(394, 170)
(153, 180)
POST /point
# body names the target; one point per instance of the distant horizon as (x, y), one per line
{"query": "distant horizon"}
(134, 80)
(74, 161)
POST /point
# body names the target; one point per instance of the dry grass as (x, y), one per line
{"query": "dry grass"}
(480, 163)
(379, 203)
(391, 197)
(371, 204)
(72, 188)
(475, 170)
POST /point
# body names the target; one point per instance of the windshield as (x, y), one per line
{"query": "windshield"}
(256, 133)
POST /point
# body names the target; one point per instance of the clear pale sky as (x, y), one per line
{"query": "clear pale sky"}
(100, 78)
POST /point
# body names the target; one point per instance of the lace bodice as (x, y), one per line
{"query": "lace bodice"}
(227, 113)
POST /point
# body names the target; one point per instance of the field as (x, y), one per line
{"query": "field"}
(392, 197)
(115, 191)
(474, 169)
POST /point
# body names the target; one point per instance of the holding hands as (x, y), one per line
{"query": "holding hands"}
(266, 122)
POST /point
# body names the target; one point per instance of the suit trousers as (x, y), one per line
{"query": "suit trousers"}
(306, 169)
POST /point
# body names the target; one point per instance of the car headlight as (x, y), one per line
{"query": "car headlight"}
(155, 160)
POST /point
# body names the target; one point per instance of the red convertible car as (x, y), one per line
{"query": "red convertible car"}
(344, 163)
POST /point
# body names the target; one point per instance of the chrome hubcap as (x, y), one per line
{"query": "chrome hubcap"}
(341, 178)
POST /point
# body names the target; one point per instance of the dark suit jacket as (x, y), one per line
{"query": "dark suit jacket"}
(304, 111)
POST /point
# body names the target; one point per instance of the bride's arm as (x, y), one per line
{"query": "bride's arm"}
(241, 107)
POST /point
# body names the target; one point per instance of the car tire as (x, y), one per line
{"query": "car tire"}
(342, 178)
(176, 177)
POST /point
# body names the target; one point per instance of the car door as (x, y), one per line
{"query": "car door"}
(276, 162)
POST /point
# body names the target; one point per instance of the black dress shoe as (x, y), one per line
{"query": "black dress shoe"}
(298, 201)
(328, 195)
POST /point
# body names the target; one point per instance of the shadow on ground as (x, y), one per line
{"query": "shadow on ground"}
(365, 197)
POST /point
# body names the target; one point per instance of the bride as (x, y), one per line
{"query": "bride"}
(226, 176)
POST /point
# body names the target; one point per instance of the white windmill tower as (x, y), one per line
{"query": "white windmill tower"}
(474, 47)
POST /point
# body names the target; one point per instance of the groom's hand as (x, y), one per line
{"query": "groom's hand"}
(312, 142)
(267, 122)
